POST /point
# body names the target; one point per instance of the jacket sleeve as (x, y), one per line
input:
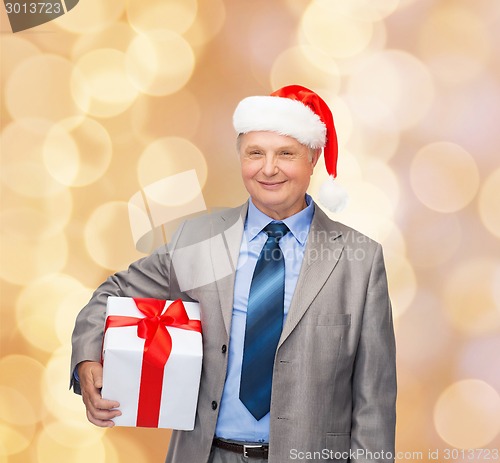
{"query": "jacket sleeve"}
(374, 377)
(150, 276)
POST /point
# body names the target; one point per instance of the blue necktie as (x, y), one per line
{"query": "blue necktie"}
(264, 323)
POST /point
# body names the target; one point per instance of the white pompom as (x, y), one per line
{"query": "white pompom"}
(333, 196)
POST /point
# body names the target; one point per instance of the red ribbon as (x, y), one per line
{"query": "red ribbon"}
(157, 349)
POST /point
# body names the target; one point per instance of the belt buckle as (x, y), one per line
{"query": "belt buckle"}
(246, 447)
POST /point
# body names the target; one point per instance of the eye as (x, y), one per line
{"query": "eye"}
(254, 153)
(286, 153)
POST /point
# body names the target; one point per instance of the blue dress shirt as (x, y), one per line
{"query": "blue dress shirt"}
(235, 421)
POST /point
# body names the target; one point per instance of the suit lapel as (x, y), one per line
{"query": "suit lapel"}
(321, 255)
(225, 243)
(322, 252)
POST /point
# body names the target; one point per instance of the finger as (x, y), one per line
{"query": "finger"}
(104, 415)
(100, 416)
(98, 403)
(91, 391)
(93, 401)
(100, 412)
(98, 407)
(99, 422)
(97, 377)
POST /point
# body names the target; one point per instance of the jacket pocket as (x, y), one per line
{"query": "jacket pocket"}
(339, 446)
(333, 319)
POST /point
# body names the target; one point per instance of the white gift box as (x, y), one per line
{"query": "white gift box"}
(123, 352)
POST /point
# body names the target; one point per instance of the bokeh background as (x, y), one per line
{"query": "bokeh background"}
(103, 107)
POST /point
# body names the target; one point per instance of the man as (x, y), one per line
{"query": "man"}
(299, 354)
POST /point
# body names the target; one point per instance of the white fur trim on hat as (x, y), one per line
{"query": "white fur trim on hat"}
(332, 195)
(281, 115)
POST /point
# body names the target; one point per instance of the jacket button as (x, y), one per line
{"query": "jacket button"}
(214, 405)
(224, 348)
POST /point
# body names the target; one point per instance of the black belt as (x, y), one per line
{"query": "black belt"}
(247, 450)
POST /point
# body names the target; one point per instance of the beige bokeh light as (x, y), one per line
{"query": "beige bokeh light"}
(150, 121)
(378, 42)
(423, 354)
(91, 16)
(405, 3)
(467, 414)
(174, 15)
(39, 87)
(366, 10)
(392, 240)
(478, 355)
(159, 62)
(75, 434)
(108, 237)
(168, 156)
(383, 177)
(376, 133)
(100, 85)
(496, 287)
(31, 258)
(64, 407)
(157, 208)
(112, 454)
(489, 203)
(469, 297)
(370, 209)
(307, 64)
(176, 191)
(412, 399)
(29, 224)
(24, 375)
(77, 152)
(436, 239)
(15, 408)
(35, 315)
(49, 450)
(67, 310)
(402, 281)
(17, 421)
(444, 176)
(15, 50)
(455, 43)
(370, 201)
(117, 36)
(36, 218)
(207, 24)
(26, 174)
(340, 35)
(399, 81)
(14, 439)
(122, 448)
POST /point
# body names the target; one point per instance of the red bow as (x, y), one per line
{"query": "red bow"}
(157, 349)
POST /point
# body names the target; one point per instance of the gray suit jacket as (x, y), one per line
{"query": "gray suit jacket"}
(334, 380)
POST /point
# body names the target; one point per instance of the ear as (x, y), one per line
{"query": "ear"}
(316, 153)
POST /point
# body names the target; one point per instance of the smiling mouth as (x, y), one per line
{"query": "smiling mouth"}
(272, 184)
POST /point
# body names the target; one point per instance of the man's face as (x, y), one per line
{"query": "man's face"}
(276, 171)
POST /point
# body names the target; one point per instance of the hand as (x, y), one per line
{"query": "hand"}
(99, 411)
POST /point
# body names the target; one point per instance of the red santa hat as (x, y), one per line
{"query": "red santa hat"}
(300, 113)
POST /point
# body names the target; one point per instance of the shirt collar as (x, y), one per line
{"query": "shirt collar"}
(298, 223)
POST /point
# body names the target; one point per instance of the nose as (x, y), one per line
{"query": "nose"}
(270, 166)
